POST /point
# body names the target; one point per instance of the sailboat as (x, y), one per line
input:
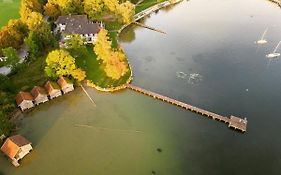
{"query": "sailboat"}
(274, 54)
(262, 40)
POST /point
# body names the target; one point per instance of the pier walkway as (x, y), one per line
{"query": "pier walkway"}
(233, 122)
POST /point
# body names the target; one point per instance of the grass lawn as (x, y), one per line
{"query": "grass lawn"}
(31, 76)
(146, 4)
(9, 9)
(95, 73)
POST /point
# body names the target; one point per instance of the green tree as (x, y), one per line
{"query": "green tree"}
(12, 57)
(5, 124)
(75, 46)
(40, 37)
(34, 45)
(60, 62)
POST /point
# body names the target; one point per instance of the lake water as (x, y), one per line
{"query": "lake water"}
(121, 134)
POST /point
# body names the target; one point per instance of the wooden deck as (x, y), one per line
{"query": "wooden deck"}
(233, 122)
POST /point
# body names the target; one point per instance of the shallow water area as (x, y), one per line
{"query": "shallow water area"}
(129, 133)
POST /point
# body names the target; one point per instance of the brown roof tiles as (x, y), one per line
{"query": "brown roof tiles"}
(37, 91)
(63, 81)
(50, 86)
(12, 145)
(21, 96)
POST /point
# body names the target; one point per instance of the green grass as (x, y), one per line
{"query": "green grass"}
(95, 73)
(146, 4)
(113, 25)
(9, 9)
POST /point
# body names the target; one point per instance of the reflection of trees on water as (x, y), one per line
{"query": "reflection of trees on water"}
(128, 34)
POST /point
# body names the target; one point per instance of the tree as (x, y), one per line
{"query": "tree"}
(12, 57)
(113, 60)
(29, 6)
(52, 9)
(5, 124)
(34, 45)
(60, 62)
(55, 8)
(102, 46)
(116, 66)
(12, 35)
(40, 37)
(93, 8)
(126, 10)
(75, 46)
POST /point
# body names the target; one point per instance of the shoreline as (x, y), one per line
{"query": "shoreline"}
(276, 2)
(137, 17)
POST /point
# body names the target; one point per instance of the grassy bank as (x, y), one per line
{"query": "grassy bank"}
(9, 10)
(146, 4)
(95, 72)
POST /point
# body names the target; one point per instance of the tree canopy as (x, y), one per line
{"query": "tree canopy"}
(60, 62)
(75, 46)
(113, 60)
(13, 34)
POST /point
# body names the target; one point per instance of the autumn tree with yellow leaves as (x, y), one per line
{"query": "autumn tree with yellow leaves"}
(113, 59)
(60, 62)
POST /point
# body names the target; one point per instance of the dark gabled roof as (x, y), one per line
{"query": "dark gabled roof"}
(19, 140)
(78, 24)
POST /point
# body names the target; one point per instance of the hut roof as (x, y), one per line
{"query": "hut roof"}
(63, 81)
(50, 86)
(12, 145)
(78, 24)
(23, 96)
(37, 91)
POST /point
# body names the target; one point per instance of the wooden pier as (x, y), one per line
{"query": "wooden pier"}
(233, 122)
(148, 27)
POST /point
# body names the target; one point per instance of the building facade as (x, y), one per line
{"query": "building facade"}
(77, 24)
(15, 148)
(24, 100)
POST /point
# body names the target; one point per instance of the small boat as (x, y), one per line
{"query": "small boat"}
(262, 40)
(273, 55)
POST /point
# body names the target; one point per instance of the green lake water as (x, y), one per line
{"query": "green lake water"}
(121, 134)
